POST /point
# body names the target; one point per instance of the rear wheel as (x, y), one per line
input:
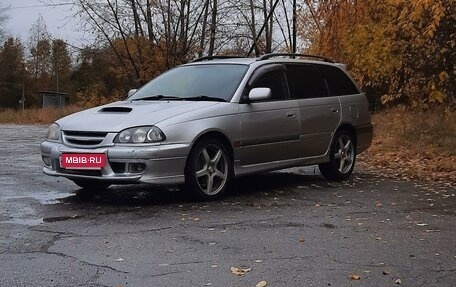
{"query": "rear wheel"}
(342, 157)
(208, 171)
(91, 185)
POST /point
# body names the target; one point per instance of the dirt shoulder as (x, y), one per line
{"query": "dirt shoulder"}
(414, 145)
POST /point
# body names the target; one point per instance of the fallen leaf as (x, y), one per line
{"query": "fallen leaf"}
(262, 284)
(355, 277)
(301, 239)
(398, 281)
(386, 272)
(240, 271)
(235, 270)
(378, 204)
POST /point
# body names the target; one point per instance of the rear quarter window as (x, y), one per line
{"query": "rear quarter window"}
(339, 83)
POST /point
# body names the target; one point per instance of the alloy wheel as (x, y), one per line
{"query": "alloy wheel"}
(211, 170)
(345, 153)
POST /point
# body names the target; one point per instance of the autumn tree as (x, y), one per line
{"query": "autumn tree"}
(39, 45)
(61, 65)
(3, 19)
(11, 72)
(138, 39)
(400, 51)
(180, 30)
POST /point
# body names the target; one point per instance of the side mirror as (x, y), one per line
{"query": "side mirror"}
(131, 92)
(260, 94)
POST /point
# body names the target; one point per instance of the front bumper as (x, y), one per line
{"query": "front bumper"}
(160, 164)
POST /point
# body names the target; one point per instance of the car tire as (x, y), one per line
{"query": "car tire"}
(342, 157)
(91, 185)
(208, 171)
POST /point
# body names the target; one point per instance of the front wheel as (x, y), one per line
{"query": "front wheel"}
(208, 171)
(342, 157)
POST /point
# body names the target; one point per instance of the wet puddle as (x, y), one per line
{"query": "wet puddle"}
(20, 212)
(51, 197)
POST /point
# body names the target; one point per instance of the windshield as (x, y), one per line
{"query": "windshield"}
(196, 82)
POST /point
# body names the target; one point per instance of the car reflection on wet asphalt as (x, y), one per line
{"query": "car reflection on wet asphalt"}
(288, 228)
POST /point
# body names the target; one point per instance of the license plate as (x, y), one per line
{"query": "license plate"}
(83, 160)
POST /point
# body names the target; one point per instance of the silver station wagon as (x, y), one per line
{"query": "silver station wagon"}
(204, 123)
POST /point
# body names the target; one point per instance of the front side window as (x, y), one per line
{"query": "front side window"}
(305, 82)
(275, 80)
(211, 81)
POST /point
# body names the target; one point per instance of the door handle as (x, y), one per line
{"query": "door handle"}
(334, 110)
(291, 115)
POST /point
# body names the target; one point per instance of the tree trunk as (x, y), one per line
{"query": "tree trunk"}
(213, 23)
(203, 29)
(253, 28)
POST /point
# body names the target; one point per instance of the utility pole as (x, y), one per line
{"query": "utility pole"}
(294, 26)
(23, 87)
(57, 71)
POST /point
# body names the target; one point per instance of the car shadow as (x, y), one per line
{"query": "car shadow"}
(282, 182)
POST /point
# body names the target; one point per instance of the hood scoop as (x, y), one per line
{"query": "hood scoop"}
(122, 110)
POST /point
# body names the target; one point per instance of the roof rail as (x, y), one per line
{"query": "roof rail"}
(208, 58)
(268, 56)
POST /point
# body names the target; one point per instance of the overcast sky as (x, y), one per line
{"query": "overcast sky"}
(24, 13)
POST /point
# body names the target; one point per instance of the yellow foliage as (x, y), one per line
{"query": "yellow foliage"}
(402, 51)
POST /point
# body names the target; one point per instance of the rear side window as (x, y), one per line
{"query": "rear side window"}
(339, 83)
(305, 82)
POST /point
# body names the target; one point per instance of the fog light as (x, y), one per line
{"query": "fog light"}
(136, 167)
(46, 160)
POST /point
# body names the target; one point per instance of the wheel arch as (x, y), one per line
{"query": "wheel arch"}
(191, 182)
(214, 134)
(349, 128)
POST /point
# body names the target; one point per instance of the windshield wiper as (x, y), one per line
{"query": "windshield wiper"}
(157, 98)
(204, 98)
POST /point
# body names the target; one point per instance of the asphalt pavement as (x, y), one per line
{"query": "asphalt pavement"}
(286, 228)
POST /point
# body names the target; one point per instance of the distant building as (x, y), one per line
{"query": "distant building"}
(54, 99)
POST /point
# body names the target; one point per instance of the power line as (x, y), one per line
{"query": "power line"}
(38, 6)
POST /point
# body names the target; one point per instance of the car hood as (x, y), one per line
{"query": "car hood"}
(121, 115)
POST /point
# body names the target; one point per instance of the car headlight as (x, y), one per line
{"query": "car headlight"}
(53, 132)
(140, 135)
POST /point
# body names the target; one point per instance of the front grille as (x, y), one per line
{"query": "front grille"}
(84, 138)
